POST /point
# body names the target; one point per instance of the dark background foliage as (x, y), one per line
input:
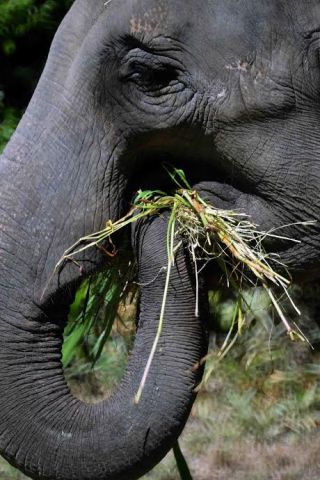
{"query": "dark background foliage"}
(26, 31)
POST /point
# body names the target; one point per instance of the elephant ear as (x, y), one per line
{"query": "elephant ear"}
(49, 434)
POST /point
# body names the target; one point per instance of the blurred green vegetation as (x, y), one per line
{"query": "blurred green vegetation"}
(26, 31)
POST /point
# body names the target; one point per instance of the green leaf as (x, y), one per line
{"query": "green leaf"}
(8, 46)
(177, 176)
(72, 342)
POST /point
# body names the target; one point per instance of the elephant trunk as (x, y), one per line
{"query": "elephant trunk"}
(48, 433)
(62, 175)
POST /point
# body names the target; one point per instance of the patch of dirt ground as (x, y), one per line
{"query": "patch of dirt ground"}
(292, 457)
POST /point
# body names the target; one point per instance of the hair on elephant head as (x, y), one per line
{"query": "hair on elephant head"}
(230, 91)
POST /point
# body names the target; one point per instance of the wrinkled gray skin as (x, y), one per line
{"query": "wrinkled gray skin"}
(228, 89)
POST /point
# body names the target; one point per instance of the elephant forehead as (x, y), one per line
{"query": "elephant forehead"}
(211, 19)
(140, 17)
(150, 18)
(213, 30)
(226, 20)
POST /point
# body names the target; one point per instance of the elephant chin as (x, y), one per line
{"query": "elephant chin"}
(49, 434)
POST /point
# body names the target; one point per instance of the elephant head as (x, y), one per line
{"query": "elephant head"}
(230, 90)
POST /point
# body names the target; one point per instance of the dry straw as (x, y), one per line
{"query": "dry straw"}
(225, 236)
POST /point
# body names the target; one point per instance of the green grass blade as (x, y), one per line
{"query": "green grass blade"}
(181, 462)
(177, 176)
(71, 343)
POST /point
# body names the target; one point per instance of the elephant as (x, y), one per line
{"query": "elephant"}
(229, 90)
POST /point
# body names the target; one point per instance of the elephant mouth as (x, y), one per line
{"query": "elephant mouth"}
(206, 170)
(223, 185)
(182, 148)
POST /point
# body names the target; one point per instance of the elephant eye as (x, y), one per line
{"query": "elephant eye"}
(153, 77)
(147, 71)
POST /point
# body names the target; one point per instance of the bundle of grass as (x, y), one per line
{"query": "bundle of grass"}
(227, 237)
